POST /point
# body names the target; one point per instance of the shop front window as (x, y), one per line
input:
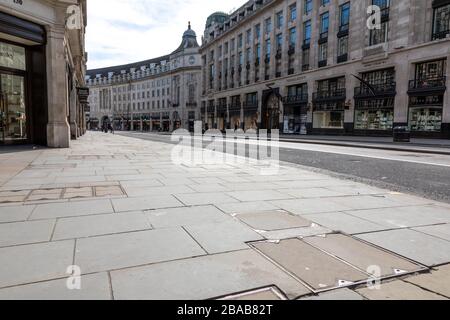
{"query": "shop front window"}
(425, 119)
(425, 113)
(12, 57)
(328, 120)
(374, 120)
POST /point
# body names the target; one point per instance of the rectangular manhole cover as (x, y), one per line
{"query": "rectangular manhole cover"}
(264, 294)
(312, 266)
(365, 257)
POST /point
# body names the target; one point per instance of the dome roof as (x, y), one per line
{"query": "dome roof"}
(189, 40)
(216, 17)
(189, 32)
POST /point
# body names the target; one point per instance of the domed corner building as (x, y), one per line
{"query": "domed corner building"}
(159, 94)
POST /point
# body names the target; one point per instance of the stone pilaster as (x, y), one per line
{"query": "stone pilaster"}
(58, 130)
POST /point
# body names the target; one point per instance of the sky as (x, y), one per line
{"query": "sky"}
(125, 31)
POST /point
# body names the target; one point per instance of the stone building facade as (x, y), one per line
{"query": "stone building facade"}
(42, 71)
(320, 67)
(160, 94)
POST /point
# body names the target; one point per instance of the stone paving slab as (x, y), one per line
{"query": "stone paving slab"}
(310, 206)
(398, 290)
(198, 199)
(263, 195)
(15, 213)
(246, 207)
(145, 203)
(405, 217)
(71, 209)
(156, 191)
(93, 287)
(223, 236)
(440, 231)
(437, 281)
(33, 263)
(317, 269)
(273, 220)
(19, 233)
(90, 226)
(177, 217)
(362, 255)
(346, 223)
(203, 278)
(133, 249)
(425, 249)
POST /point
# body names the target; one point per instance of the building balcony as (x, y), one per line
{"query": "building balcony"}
(278, 55)
(323, 38)
(191, 104)
(322, 63)
(291, 50)
(427, 85)
(441, 35)
(343, 31)
(379, 90)
(291, 71)
(342, 58)
(305, 67)
(296, 99)
(251, 104)
(330, 95)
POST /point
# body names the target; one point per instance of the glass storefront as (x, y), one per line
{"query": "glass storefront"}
(13, 113)
(328, 120)
(374, 119)
(425, 119)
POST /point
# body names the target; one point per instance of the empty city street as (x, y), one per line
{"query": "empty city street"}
(422, 174)
(114, 217)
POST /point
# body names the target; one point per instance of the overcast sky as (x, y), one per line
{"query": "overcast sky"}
(125, 31)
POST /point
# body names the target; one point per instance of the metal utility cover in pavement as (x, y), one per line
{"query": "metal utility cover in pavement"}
(273, 220)
(264, 294)
(311, 265)
(365, 257)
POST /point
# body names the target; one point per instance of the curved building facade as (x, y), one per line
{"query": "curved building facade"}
(314, 67)
(160, 94)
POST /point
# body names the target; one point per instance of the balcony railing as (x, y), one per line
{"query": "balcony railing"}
(380, 90)
(441, 35)
(305, 67)
(296, 99)
(251, 104)
(191, 104)
(426, 85)
(329, 95)
(322, 63)
(342, 58)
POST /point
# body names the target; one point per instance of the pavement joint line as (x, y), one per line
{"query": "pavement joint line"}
(55, 222)
(111, 289)
(195, 240)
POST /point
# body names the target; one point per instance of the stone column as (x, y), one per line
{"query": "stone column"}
(58, 130)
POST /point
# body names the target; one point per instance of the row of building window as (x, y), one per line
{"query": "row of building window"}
(441, 26)
(374, 100)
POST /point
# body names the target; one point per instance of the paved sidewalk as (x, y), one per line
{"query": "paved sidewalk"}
(140, 227)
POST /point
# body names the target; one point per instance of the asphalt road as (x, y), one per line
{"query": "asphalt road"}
(419, 174)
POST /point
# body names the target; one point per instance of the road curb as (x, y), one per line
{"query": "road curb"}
(365, 146)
